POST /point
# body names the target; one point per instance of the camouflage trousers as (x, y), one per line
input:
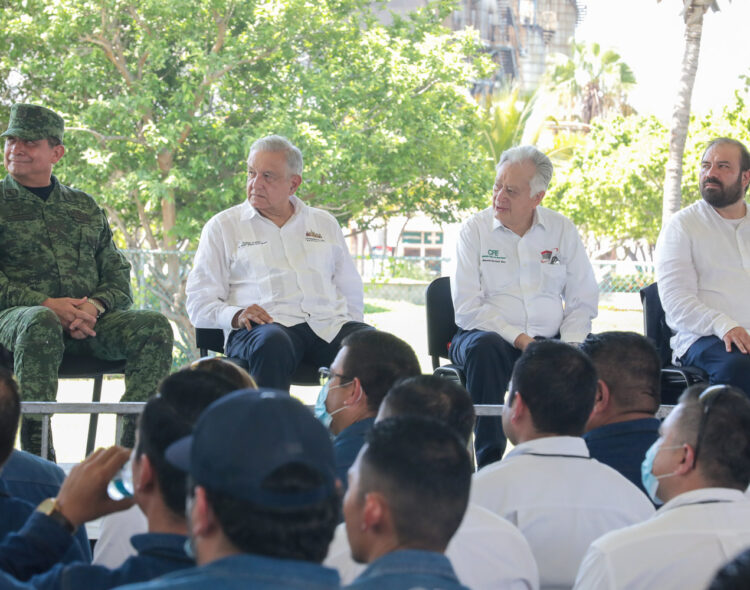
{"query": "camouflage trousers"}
(37, 340)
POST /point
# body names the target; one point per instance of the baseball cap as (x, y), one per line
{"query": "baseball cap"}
(30, 122)
(244, 437)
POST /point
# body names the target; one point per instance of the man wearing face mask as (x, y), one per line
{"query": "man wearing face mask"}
(703, 269)
(365, 368)
(699, 468)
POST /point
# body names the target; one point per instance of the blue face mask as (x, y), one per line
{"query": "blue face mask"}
(321, 412)
(649, 480)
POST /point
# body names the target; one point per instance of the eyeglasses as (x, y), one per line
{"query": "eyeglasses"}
(326, 375)
(708, 399)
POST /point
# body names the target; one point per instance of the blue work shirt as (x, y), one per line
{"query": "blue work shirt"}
(248, 572)
(34, 549)
(406, 569)
(346, 446)
(33, 479)
(14, 514)
(623, 445)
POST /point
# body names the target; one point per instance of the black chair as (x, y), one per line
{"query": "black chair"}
(80, 367)
(674, 379)
(441, 327)
(213, 339)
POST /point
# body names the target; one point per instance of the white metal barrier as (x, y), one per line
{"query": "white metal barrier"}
(121, 409)
(47, 409)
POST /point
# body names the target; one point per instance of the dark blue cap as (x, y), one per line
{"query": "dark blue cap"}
(242, 438)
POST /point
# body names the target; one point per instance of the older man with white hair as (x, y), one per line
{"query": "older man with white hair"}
(275, 274)
(521, 273)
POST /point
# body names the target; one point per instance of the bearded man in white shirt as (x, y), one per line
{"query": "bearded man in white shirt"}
(700, 467)
(703, 269)
(275, 274)
(521, 273)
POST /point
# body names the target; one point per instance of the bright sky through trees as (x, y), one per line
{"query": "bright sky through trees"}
(648, 35)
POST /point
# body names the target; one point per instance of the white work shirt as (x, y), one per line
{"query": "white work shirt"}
(513, 284)
(681, 547)
(300, 272)
(561, 500)
(487, 552)
(703, 274)
(113, 546)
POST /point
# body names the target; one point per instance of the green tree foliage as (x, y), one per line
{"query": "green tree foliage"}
(613, 185)
(162, 100)
(503, 119)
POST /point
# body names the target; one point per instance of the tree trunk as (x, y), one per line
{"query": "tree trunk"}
(694, 12)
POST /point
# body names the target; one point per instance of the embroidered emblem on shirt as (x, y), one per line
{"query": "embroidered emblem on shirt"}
(494, 256)
(255, 243)
(550, 256)
(311, 236)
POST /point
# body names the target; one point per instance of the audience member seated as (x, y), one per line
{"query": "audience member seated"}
(113, 546)
(487, 552)
(64, 285)
(408, 491)
(548, 485)
(368, 364)
(703, 269)
(521, 273)
(275, 274)
(15, 510)
(700, 467)
(158, 488)
(261, 518)
(622, 425)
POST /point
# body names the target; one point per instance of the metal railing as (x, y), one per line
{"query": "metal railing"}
(47, 409)
(121, 409)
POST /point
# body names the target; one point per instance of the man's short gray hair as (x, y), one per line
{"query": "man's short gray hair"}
(277, 143)
(543, 175)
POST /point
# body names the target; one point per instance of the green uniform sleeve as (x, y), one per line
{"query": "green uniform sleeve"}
(113, 288)
(13, 294)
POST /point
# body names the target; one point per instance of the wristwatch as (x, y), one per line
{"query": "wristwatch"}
(52, 509)
(100, 309)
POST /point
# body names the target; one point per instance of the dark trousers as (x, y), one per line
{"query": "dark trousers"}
(728, 368)
(274, 352)
(487, 361)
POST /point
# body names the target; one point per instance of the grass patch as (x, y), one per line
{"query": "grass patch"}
(370, 308)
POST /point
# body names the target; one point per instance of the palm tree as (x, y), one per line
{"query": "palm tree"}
(504, 117)
(693, 13)
(591, 83)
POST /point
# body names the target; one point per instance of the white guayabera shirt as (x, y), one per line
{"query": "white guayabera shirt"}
(540, 283)
(300, 272)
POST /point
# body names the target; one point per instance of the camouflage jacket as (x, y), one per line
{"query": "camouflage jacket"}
(61, 247)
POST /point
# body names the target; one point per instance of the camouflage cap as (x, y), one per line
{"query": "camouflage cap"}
(30, 122)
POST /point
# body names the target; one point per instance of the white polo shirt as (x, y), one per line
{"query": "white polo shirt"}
(540, 283)
(487, 552)
(703, 272)
(300, 272)
(681, 547)
(561, 500)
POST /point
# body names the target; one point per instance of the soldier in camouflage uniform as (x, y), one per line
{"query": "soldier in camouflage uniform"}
(64, 285)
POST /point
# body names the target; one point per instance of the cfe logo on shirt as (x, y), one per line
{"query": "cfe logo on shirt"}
(494, 256)
(311, 236)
